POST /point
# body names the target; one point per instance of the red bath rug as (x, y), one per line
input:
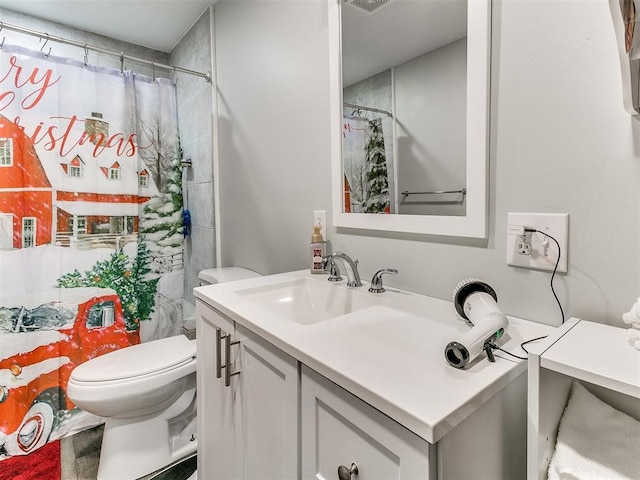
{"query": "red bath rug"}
(43, 464)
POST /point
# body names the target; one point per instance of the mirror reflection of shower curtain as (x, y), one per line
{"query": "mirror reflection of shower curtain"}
(90, 231)
(354, 136)
(376, 176)
(365, 166)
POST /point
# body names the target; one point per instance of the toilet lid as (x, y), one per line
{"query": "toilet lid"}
(136, 360)
(226, 274)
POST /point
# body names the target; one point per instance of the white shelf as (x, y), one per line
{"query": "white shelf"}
(598, 354)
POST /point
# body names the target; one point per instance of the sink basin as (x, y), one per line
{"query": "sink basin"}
(307, 301)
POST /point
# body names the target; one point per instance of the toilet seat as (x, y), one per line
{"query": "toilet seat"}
(137, 361)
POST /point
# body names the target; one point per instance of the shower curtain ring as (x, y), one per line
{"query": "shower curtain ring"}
(45, 55)
(86, 56)
(153, 70)
(121, 63)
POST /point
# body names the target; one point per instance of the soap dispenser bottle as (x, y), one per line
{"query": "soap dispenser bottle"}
(317, 250)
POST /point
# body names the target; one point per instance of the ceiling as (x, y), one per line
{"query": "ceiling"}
(372, 41)
(396, 32)
(156, 24)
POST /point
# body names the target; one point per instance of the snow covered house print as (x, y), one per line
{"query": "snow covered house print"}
(91, 198)
(25, 191)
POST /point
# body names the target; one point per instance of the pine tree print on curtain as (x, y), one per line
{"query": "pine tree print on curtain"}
(161, 220)
(377, 180)
(161, 216)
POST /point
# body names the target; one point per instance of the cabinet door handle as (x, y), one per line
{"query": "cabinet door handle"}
(219, 353)
(345, 473)
(227, 360)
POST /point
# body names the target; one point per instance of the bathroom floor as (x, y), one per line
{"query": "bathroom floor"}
(81, 455)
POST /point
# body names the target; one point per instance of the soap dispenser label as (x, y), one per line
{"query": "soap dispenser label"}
(317, 258)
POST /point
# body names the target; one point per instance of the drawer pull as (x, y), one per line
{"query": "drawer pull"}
(218, 353)
(227, 360)
(345, 473)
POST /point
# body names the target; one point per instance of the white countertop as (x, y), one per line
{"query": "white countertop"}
(391, 355)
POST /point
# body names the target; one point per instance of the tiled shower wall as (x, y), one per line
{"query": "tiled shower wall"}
(195, 109)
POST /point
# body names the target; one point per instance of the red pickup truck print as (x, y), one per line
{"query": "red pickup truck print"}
(43, 337)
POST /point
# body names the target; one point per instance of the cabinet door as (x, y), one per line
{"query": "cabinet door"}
(268, 382)
(340, 429)
(217, 414)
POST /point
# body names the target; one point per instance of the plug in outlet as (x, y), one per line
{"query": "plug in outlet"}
(534, 249)
(523, 247)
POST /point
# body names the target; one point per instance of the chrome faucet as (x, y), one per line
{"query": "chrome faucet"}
(376, 281)
(350, 267)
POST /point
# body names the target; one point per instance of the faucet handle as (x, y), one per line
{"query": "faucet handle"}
(329, 265)
(376, 281)
(334, 273)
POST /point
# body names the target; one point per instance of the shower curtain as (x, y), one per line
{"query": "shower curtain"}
(353, 143)
(90, 231)
(365, 166)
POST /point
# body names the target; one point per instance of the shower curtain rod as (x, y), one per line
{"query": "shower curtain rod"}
(370, 109)
(86, 46)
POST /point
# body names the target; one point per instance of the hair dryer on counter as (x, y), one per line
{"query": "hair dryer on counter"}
(475, 301)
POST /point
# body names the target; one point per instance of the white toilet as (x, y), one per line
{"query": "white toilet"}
(147, 395)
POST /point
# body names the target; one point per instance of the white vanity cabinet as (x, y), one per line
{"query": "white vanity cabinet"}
(247, 429)
(339, 429)
(280, 419)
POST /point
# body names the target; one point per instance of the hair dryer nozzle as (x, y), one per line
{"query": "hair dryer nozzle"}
(456, 354)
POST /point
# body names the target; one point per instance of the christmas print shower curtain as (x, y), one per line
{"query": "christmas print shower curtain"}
(365, 166)
(90, 231)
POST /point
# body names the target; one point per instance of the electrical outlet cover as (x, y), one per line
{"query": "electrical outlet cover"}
(554, 224)
(320, 217)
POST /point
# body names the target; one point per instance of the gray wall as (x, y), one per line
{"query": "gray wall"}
(195, 119)
(273, 86)
(560, 142)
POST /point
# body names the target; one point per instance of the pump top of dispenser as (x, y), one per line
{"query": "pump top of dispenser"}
(317, 236)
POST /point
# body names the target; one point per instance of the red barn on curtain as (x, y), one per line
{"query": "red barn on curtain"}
(26, 201)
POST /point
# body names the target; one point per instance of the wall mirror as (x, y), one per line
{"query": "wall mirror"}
(409, 111)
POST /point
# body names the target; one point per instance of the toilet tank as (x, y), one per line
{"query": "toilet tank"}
(225, 274)
(211, 276)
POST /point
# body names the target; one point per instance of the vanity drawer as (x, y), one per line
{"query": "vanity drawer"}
(339, 429)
